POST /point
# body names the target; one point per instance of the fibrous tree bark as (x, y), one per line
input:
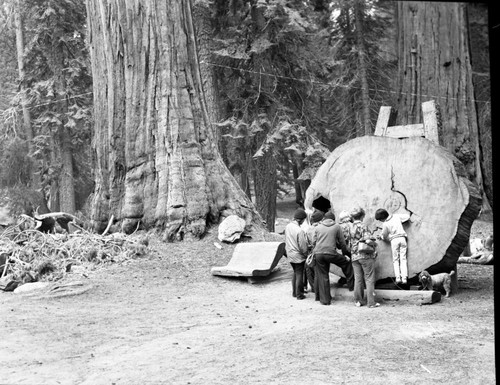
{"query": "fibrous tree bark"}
(157, 163)
(365, 98)
(434, 52)
(36, 184)
(411, 176)
(266, 173)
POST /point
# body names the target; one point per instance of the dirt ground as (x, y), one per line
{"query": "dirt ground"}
(164, 319)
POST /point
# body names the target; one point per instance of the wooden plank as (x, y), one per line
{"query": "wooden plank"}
(383, 120)
(431, 122)
(454, 282)
(252, 259)
(420, 297)
(405, 131)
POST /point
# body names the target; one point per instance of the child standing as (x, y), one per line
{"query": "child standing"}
(393, 232)
(363, 261)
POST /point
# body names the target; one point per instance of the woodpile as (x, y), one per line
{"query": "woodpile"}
(31, 255)
(412, 176)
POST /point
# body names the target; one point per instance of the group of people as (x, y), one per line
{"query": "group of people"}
(348, 244)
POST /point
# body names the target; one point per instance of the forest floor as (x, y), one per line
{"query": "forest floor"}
(164, 319)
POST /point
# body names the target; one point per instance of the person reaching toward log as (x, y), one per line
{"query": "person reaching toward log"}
(393, 232)
(345, 222)
(296, 251)
(328, 238)
(363, 249)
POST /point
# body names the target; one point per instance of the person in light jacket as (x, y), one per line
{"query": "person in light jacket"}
(296, 251)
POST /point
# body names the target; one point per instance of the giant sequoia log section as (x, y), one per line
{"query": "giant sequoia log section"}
(412, 176)
(157, 162)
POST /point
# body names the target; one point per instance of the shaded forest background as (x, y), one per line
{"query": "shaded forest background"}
(286, 82)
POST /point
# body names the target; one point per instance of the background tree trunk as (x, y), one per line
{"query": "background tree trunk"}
(477, 16)
(365, 97)
(157, 162)
(36, 184)
(434, 63)
(266, 168)
(66, 180)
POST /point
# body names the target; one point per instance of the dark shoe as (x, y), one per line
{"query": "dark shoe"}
(342, 281)
(326, 303)
(351, 289)
(301, 297)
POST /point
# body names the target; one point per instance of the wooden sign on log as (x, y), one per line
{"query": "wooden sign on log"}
(428, 129)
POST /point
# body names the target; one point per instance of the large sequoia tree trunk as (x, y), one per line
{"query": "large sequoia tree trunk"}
(412, 176)
(156, 157)
(435, 63)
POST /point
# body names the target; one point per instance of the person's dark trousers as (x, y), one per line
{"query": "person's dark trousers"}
(298, 279)
(322, 279)
(343, 281)
(310, 277)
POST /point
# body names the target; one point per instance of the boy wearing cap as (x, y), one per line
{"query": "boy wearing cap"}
(329, 238)
(296, 251)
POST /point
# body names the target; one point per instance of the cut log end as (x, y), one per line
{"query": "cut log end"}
(413, 176)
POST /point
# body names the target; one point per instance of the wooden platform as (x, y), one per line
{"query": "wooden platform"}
(252, 259)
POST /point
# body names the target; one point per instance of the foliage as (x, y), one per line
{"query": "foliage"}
(270, 59)
(299, 69)
(58, 89)
(35, 256)
(377, 24)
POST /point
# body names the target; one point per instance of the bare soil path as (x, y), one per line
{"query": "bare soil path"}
(163, 319)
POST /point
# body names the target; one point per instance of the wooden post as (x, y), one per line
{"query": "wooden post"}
(454, 281)
(431, 122)
(383, 120)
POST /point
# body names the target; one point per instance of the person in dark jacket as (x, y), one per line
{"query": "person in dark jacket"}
(328, 238)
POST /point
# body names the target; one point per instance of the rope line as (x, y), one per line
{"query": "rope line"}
(280, 77)
(336, 85)
(51, 102)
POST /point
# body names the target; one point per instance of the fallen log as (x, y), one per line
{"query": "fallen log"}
(47, 222)
(419, 297)
(412, 176)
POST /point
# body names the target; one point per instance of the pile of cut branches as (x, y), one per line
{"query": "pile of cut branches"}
(30, 255)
